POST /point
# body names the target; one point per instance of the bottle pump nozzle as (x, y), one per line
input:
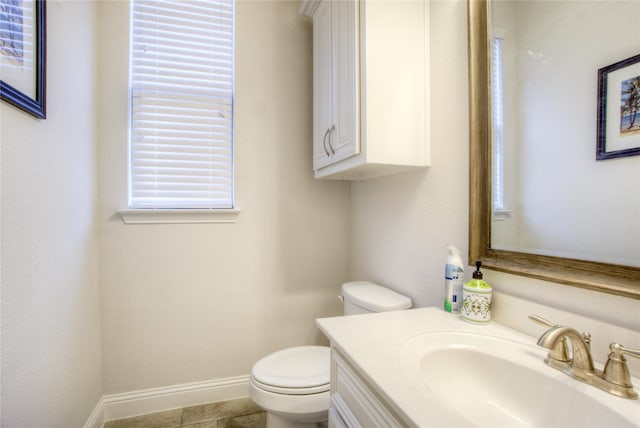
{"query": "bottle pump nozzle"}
(477, 274)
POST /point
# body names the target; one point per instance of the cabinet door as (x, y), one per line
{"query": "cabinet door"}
(323, 97)
(345, 139)
(353, 401)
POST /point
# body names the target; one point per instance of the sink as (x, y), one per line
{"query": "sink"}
(489, 381)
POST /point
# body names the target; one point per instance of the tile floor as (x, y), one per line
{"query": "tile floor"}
(241, 413)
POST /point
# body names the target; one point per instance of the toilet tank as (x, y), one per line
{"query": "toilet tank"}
(363, 297)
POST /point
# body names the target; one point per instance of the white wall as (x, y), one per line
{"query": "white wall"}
(51, 356)
(185, 303)
(400, 224)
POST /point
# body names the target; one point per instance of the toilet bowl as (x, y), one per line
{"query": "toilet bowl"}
(292, 385)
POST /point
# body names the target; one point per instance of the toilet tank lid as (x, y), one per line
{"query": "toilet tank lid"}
(374, 297)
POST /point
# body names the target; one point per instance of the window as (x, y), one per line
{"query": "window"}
(497, 131)
(181, 125)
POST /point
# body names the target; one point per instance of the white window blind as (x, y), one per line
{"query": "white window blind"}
(498, 123)
(181, 140)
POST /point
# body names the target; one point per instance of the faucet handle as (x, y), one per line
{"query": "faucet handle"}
(538, 319)
(616, 370)
(560, 351)
(618, 349)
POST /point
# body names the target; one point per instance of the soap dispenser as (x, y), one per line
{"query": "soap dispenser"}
(476, 299)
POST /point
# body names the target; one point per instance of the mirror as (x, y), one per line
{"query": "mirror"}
(488, 237)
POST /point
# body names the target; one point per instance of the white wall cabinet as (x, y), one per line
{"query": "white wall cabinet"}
(335, 85)
(370, 87)
(353, 403)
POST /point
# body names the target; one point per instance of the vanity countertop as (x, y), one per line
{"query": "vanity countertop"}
(373, 344)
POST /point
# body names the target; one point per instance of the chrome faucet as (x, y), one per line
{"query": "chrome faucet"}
(570, 352)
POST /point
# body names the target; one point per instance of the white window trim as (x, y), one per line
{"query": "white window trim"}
(178, 216)
(502, 215)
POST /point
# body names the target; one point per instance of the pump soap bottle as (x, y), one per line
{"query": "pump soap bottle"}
(453, 280)
(476, 299)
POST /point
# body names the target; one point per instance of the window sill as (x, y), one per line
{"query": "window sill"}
(502, 215)
(163, 216)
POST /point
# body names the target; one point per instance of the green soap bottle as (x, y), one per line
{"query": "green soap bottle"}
(476, 299)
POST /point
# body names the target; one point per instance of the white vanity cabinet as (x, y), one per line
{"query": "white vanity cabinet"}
(370, 87)
(353, 403)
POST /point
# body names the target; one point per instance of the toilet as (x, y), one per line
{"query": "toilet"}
(292, 385)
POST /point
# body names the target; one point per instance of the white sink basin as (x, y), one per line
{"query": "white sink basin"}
(488, 381)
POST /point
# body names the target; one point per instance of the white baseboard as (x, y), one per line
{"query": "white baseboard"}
(128, 404)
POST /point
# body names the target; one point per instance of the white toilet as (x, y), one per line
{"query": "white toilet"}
(292, 385)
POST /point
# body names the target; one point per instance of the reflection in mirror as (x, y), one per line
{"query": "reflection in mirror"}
(541, 205)
(550, 194)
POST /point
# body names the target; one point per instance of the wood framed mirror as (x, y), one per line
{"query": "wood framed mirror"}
(594, 275)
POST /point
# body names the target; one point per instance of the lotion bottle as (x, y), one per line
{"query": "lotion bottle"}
(453, 280)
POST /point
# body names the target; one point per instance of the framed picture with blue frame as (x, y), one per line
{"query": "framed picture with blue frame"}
(619, 109)
(23, 55)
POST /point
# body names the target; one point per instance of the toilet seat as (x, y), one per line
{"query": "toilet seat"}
(290, 391)
(301, 370)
